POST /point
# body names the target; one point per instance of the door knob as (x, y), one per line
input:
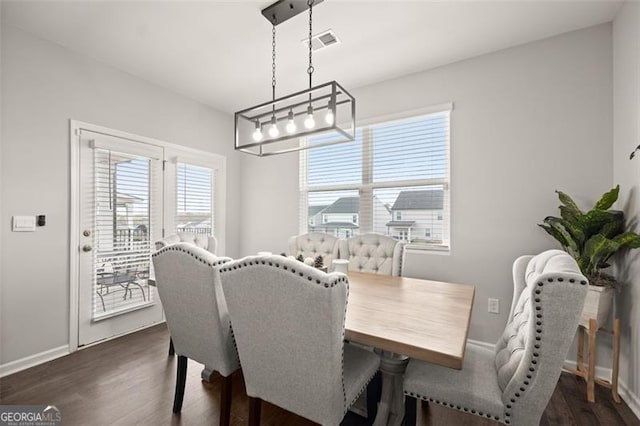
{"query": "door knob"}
(86, 232)
(86, 248)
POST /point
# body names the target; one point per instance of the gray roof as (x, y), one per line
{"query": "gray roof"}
(314, 210)
(344, 205)
(419, 200)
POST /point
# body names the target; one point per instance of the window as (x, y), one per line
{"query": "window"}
(194, 199)
(394, 178)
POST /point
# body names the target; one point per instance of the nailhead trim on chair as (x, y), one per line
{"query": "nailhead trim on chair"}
(172, 247)
(454, 406)
(233, 339)
(257, 261)
(538, 336)
(532, 366)
(344, 391)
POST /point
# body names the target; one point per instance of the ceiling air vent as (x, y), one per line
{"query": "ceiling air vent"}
(322, 40)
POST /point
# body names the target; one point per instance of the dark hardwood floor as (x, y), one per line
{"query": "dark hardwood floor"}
(130, 380)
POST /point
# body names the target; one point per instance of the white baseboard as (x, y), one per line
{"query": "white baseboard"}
(485, 345)
(603, 373)
(630, 398)
(33, 360)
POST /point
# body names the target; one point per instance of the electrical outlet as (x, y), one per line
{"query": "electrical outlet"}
(494, 306)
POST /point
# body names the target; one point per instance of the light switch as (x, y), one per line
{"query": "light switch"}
(24, 223)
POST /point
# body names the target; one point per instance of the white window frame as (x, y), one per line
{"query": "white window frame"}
(367, 186)
(177, 154)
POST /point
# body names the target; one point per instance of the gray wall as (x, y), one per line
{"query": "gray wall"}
(526, 121)
(626, 136)
(45, 85)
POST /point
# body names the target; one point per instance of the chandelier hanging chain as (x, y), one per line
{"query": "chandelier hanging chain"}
(273, 59)
(310, 69)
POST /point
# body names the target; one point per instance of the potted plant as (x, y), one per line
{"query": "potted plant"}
(591, 238)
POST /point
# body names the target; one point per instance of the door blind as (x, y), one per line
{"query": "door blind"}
(122, 232)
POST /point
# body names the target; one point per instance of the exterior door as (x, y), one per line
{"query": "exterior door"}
(120, 218)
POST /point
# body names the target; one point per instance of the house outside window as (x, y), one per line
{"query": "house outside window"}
(393, 180)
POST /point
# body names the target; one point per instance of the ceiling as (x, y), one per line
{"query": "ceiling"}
(219, 52)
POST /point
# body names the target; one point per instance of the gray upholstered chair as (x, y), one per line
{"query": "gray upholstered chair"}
(373, 253)
(207, 242)
(288, 321)
(314, 244)
(514, 383)
(189, 286)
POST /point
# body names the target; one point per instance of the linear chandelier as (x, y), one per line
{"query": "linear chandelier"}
(326, 111)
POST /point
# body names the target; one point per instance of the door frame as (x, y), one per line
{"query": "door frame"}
(75, 127)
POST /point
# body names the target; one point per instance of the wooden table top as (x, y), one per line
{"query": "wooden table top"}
(427, 320)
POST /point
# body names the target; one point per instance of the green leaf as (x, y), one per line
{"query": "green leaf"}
(597, 250)
(567, 201)
(555, 234)
(577, 234)
(569, 214)
(616, 226)
(608, 199)
(628, 240)
(593, 221)
(557, 225)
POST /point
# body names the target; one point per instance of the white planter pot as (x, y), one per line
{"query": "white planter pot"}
(597, 305)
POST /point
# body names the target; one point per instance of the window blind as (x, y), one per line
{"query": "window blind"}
(194, 199)
(393, 180)
(122, 233)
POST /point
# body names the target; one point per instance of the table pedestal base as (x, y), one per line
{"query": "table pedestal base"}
(391, 407)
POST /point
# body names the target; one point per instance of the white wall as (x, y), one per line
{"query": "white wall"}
(43, 86)
(626, 136)
(527, 120)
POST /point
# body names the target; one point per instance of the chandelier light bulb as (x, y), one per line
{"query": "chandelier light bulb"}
(257, 134)
(291, 125)
(329, 117)
(309, 122)
(273, 130)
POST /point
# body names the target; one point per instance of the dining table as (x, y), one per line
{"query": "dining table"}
(403, 318)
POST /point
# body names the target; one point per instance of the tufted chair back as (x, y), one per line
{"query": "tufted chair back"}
(314, 244)
(549, 293)
(206, 242)
(373, 253)
(189, 286)
(288, 321)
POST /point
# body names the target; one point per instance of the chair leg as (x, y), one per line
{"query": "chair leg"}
(225, 401)
(374, 391)
(172, 351)
(410, 410)
(254, 411)
(181, 379)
